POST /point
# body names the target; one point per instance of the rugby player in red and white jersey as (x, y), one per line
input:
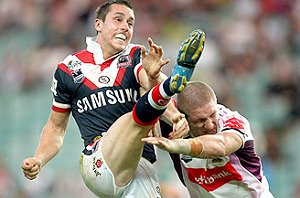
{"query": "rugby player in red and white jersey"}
(106, 87)
(219, 158)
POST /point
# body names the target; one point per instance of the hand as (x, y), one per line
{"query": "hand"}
(162, 143)
(180, 126)
(152, 61)
(31, 167)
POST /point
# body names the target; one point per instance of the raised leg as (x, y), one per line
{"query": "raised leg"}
(122, 146)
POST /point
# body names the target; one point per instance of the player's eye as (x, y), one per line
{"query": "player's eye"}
(130, 22)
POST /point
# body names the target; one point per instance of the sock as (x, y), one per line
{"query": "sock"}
(152, 104)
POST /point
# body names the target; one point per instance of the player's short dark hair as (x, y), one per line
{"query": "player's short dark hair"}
(102, 10)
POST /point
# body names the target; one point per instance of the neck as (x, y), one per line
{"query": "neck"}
(107, 50)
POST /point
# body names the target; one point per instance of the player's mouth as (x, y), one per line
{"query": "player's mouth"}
(211, 131)
(120, 37)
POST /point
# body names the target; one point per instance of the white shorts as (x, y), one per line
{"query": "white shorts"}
(100, 180)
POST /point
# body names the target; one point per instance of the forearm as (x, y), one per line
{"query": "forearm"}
(212, 146)
(191, 147)
(154, 81)
(147, 82)
(194, 147)
(49, 145)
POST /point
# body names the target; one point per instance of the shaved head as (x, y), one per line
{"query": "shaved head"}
(196, 94)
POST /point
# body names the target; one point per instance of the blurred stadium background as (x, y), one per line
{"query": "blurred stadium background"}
(251, 59)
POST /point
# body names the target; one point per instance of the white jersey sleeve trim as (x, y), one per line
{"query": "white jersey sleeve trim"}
(137, 70)
(61, 105)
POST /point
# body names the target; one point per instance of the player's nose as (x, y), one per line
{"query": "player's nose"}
(209, 124)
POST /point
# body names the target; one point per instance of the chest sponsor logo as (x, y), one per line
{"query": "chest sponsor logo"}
(211, 179)
(107, 97)
(124, 61)
(75, 69)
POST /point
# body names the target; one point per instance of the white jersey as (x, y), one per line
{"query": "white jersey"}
(237, 175)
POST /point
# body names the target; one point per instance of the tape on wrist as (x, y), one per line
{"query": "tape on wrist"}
(196, 147)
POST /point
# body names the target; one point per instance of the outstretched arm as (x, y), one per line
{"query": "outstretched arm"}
(50, 143)
(206, 146)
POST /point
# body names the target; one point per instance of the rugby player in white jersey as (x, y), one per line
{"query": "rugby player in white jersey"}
(219, 158)
(103, 87)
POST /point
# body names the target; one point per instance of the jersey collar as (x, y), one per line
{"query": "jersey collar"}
(94, 47)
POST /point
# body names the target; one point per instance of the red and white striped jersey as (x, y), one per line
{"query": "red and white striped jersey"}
(237, 175)
(97, 91)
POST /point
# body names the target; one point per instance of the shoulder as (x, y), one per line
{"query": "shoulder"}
(132, 54)
(84, 56)
(133, 45)
(133, 49)
(229, 119)
(226, 114)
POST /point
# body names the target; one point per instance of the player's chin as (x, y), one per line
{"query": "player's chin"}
(120, 45)
(211, 132)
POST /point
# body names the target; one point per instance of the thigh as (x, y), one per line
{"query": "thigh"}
(122, 147)
(100, 180)
(144, 183)
(96, 175)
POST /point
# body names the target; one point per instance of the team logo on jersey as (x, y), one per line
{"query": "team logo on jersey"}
(124, 61)
(104, 79)
(97, 163)
(75, 69)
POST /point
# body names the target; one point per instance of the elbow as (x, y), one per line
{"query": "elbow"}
(60, 142)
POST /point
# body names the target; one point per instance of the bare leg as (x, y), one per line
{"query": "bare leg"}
(122, 146)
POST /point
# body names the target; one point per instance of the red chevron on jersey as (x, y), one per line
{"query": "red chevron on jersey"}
(82, 67)
(85, 81)
(234, 123)
(86, 57)
(213, 178)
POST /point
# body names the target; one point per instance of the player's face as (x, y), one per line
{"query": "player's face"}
(116, 31)
(203, 120)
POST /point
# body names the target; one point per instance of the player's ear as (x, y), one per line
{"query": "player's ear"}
(98, 25)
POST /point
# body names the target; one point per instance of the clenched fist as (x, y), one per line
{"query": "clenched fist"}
(31, 167)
